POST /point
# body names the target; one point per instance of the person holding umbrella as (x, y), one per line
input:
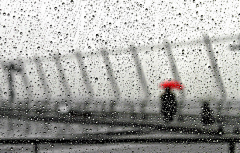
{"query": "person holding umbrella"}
(207, 114)
(168, 100)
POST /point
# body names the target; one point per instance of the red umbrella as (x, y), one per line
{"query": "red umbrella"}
(172, 84)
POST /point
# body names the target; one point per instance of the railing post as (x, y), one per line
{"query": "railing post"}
(63, 81)
(28, 89)
(1, 95)
(231, 147)
(10, 68)
(36, 147)
(11, 90)
(26, 83)
(236, 47)
(43, 79)
(113, 81)
(218, 78)
(85, 77)
(143, 80)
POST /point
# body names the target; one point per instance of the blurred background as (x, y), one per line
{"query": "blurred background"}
(94, 57)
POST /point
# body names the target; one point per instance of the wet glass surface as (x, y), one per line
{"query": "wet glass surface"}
(92, 70)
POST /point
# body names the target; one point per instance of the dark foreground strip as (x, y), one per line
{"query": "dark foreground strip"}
(231, 140)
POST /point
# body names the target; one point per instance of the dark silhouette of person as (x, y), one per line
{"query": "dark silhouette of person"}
(207, 114)
(169, 105)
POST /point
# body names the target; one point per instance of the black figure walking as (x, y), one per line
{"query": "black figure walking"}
(207, 114)
(169, 105)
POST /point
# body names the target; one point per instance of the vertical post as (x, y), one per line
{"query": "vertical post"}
(142, 78)
(231, 147)
(29, 92)
(175, 76)
(43, 80)
(26, 83)
(1, 95)
(11, 67)
(10, 84)
(63, 81)
(11, 97)
(36, 147)
(85, 79)
(236, 47)
(113, 81)
(217, 75)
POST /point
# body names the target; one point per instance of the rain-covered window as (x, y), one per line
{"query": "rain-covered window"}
(119, 76)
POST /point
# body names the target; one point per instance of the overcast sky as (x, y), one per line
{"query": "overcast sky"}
(46, 27)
